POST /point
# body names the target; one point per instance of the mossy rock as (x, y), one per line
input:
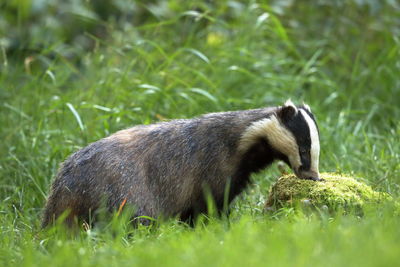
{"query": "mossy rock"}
(334, 192)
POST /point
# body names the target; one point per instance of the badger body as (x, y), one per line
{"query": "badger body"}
(164, 169)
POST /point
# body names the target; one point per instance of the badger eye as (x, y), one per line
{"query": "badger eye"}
(303, 150)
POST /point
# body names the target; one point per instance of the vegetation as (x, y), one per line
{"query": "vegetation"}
(334, 192)
(72, 72)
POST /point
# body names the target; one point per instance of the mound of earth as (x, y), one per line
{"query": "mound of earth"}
(335, 191)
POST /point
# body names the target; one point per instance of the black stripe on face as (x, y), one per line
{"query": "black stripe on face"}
(298, 126)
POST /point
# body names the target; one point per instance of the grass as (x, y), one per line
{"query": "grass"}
(342, 59)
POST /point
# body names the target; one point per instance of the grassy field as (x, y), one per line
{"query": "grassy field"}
(341, 57)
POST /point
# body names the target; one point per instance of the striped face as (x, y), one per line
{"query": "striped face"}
(293, 133)
(301, 126)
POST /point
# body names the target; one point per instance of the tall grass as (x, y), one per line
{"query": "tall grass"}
(188, 59)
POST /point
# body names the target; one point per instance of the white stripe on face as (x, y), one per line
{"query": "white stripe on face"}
(278, 136)
(314, 141)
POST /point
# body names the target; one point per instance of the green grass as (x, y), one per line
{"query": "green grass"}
(342, 59)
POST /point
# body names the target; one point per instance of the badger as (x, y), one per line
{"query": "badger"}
(164, 169)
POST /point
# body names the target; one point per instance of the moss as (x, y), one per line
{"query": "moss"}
(336, 191)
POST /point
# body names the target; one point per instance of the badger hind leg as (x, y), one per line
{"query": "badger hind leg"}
(53, 211)
(60, 204)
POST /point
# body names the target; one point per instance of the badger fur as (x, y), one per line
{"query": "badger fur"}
(163, 169)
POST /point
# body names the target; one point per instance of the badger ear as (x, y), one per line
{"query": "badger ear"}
(307, 107)
(287, 111)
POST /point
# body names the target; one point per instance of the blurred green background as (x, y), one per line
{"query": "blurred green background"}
(72, 72)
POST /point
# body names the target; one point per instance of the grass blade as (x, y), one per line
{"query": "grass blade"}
(198, 54)
(76, 115)
(204, 93)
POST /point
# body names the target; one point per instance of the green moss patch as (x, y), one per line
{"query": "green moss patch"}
(336, 191)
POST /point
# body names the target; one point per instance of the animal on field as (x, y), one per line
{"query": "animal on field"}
(164, 169)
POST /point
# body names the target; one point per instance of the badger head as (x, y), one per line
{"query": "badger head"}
(293, 134)
(298, 140)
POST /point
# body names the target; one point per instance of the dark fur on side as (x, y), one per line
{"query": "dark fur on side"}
(161, 169)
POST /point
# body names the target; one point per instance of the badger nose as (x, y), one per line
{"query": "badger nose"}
(308, 175)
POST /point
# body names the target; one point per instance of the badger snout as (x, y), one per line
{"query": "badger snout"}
(308, 175)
